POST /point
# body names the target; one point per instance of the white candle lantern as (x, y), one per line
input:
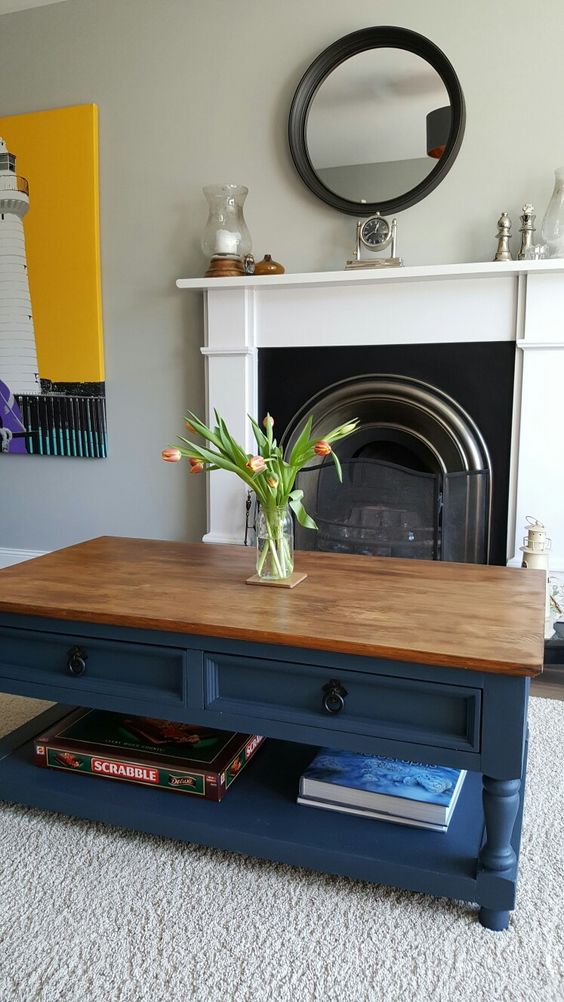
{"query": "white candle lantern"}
(226, 239)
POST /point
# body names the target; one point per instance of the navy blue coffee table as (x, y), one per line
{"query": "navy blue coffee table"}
(435, 660)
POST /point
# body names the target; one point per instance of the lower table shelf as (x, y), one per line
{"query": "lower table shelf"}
(260, 817)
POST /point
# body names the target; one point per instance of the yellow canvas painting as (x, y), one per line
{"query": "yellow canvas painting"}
(52, 390)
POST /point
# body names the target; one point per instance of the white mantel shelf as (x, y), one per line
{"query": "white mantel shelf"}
(411, 273)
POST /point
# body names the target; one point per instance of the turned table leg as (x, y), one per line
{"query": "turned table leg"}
(501, 804)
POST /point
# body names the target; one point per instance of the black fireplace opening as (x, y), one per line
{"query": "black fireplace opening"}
(426, 475)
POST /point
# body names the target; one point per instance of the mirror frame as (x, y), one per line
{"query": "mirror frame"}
(350, 45)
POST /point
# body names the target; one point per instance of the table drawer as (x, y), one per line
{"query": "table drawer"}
(84, 664)
(378, 705)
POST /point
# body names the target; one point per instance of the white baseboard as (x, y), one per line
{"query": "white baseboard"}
(9, 556)
(222, 537)
(555, 563)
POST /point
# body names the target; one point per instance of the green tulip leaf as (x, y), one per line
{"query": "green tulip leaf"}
(261, 438)
(302, 442)
(337, 463)
(300, 513)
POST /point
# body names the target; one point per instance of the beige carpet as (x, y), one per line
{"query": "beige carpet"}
(95, 914)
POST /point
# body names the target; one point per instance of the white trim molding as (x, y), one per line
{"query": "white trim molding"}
(10, 556)
(228, 351)
(538, 346)
(13, 6)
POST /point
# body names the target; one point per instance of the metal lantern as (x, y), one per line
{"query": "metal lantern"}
(535, 549)
(536, 545)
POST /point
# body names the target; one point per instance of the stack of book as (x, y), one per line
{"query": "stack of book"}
(406, 793)
(168, 754)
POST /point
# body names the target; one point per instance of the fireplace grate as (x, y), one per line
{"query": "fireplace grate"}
(384, 509)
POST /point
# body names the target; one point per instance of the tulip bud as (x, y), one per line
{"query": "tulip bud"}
(272, 482)
(196, 466)
(256, 464)
(171, 455)
(322, 448)
(268, 421)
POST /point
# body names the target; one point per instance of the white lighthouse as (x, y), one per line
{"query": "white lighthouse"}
(18, 353)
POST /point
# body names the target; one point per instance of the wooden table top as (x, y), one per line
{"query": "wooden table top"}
(460, 615)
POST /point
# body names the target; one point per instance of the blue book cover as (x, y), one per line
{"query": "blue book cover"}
(407, 788)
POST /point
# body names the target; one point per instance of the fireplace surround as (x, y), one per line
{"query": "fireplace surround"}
(516, 305)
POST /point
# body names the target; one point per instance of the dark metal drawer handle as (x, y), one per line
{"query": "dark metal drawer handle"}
(76, 660)
(334, 696)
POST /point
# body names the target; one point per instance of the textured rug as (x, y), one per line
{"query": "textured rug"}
(90, 913)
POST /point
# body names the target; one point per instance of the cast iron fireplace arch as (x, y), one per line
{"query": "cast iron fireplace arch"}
(418, 468)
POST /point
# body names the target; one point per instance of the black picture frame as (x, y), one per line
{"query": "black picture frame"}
(319, 70)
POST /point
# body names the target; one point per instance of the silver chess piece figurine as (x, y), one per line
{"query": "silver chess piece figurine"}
(527, 230)
(503, 235)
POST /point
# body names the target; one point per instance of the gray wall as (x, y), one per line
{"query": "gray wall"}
(197, 91)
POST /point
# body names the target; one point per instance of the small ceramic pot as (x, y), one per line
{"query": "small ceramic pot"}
(269, 267)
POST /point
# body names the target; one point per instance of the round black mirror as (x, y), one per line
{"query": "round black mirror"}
(377, 121)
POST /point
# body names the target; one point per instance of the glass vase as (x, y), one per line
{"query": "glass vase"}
(226, 234)
(275, 543)
(553, 222)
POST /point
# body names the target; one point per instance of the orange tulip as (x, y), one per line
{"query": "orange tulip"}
(322, 448)
(171, 455)
(272, 482)
(196, 466)
(256, 464)
(268, 421)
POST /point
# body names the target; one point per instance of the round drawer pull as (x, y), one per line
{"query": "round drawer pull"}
(334, 696)
(76, 660)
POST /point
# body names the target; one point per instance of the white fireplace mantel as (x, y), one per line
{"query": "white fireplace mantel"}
(521, 301)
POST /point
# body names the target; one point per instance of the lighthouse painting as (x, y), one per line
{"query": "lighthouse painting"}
(52, 389)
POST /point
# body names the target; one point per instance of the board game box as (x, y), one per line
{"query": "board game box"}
(168, 754)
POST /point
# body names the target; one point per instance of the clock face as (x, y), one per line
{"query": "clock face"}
(375, 231)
